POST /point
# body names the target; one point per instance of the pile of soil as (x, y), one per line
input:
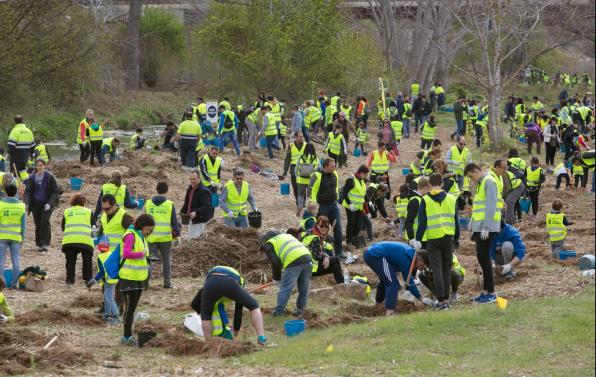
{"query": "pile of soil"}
(21, 351)
(223, 246)
(151, 326)
(56, 316)
(342, 319)
(86, 302)
(403, 306)
(178, 343)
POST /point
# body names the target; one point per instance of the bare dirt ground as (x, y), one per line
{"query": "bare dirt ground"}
(85, 346)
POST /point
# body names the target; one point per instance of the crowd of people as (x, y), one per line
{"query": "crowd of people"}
(443, 194)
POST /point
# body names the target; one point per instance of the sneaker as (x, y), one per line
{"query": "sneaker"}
(45, 248)
(168, 286)
(262, 340)
(454, 297)
(129, 341)
(114, 321)
(277, 314)
(509, 275)
(478, 298)
(442, 306)
(488, 298)
(298, 313)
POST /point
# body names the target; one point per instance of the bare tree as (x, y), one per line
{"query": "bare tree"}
(132, 45)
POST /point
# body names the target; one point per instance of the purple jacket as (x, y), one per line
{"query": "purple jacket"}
(533, 128)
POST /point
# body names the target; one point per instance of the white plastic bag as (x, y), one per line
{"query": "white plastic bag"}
(192, 322)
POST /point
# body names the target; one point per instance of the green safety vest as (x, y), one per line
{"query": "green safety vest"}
(517, 163)
(162, 214)
(362, 135)
(459, 159)
(334, 143)
(428, 132)
(407, 108)
(329, 111)
(415, 169)
(454, 189)
(119, 192)
(113, 228)
(288, 249)
(275, 111)
(212, 169)
(499, 180)
(271, 128)
(132, 144)
(301, 161)
(22, 136)
(356, 194)
(397, 126)
(295, 153)
(236, 201)
(42, 152)
(108, 142)
(401, 207)
(135, 269)
(466, 185)
(440, 217)
(229, 118)
(415, 225)
(380, 162)
(479, 202)
(315, 187)
(473, 112)
(101, 259)
(314, 114)
(189, 130)
(77, 226)
(334, 100)
(96, 135)
(533, 176)
(554, 225)
(415, 88)
(588, 162)
(11, 215)
(515, 182)
(346, 110)
(578, 170)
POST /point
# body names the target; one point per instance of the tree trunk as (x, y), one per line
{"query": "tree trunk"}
(132, 45)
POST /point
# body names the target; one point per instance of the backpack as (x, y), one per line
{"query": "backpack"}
(113, 264)
(518, 173)
(303, 169)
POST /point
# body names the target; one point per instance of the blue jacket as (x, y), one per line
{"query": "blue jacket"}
(509, 233)
(222, 120)
(399, 255)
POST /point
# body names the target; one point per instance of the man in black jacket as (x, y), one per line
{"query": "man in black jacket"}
(197, 206)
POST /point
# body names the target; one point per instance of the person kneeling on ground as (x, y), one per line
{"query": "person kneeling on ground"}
(385, 259)
(287, 253)
(222, 285)
(425, 274)
(508, 250)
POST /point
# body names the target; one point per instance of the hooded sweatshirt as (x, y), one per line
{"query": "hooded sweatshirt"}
(159, 200)
(437, 196)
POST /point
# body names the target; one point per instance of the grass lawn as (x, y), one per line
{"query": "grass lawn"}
(545, 337)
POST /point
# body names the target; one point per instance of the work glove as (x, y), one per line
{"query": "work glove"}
(369, 216)
(90, 283)
(47, 207)
(352, 208)
(256, 209)
(3, 319)
(230, 214)
(484, 235)
(416, 244)
(506, 269)
(428, 302)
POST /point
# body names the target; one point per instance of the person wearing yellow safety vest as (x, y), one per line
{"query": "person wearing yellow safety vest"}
(346, 109)
(20, 147)
(534, 180)
(457, 157)
(378, 161)
(41, 196)
(234, 198)
(95, 133)
(312, 114)
(115, 187)
(335, 100)
(133, 275)
(330, 110)
(200, 111)
(536, 108)
(228, 124)
(417, 191)
(414, 89)
(137, 141)
(335, 146)
(426, 276)
(40, 152)
(224, 285)
(401, 208)
(270, 130)
(166, 229)
(225, 102)
(188, 135)
(295, 151)
(485, 225)
(362, 137)
(76, 225)
(113, 221)
(210, 166)
(438, 222)
(583, 116)
(252, 125)
(440, 92)
(111, 311)
(12, 231)
(291, 264)
(513, 188)
(556, 226)
(428, 132)
(407, 116)
(109, 146)
(353, 195)
(305, 167)
(83, 135)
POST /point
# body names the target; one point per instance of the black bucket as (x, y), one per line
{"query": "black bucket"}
(255, 219)
(185, 218)
(145, 336)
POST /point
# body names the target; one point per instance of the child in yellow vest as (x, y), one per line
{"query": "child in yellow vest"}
(401, 207)
(556, 226)
(6, 315)
(111, 313)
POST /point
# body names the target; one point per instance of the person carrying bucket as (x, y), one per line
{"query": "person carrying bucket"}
(223, 285)
(235, 195)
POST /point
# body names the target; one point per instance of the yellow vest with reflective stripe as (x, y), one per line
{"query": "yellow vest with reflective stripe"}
(414, 169)
(229, 117)
(401, 207)
(517, 163)
(356, 194)
(458, 267)
(578, 170)
(79, 140)
(397, 126)
(554, 225)
(212, 169)
(306, 241)
(415, 88)
(113, 229)
(189, 130)
(454, 189)
(334, 143)
(96, 135)
(77, 226)
(295, 153)
(380, 162)
(499, 180)
(362, 135)
(42, 152)
(317, 183)
(428, 132)
(135, 269)
(479, 202)
(275, 111)
(216, 321)
(10, 220)
(334, 100)
(119, 192)
(346, 110)
(271, 127)
(407, 108)
(314, 114)
(515, 182)
(108, 142)
(132, 144)
(162, 214)
(440, 217)
(329, 111)
(466, 185)
(101, 259)
(288, 249)
(236, 201)
(415, 225)
(533, 176)
(459, 159)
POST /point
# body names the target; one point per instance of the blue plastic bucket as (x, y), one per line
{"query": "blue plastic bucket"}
(523, 140)
(464, 222)
(586, 262)
(76, 183)
(405, 171)
(214, 200)
(284, 189)
(294, 327)
(8, 276)
(567, 254)
(263, 142)
(357, 152)
(141, 203)
(525, 204)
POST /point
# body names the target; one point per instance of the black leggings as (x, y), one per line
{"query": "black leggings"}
(70, 253)
(440, 255)
(483, 256)
(533, 195)
(334, 268)
(96, 151)
(131, 300)
(560, 178)
(85, 151)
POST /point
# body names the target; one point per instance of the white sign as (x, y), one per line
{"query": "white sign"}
(212, 112)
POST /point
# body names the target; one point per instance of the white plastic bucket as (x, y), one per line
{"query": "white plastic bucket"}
(192, 322)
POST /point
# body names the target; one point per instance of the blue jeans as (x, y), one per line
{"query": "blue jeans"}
(232, 136)
(406, 125)
(109, 301)
(333, 214)
(460, 127)
(271, 145)
(187, 153)
(305, 132)
(291, 277)
(238, 222)
(14, 247)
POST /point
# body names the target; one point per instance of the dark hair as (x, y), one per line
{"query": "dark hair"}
(144, 220)
(557, 204)
(363, 169)
(403, 189)
(116, 140)
(295, 232)
(221, 107)
(309, 150)
(535, 160)
(161, 188)
(11, 190)
(269, 98)
(296, 133)
(78, 200)
(327, 161)
(381, 144)
(322, 219)
(435, 179)
(471, 167)
(497, 163)
(40, 160)
(170, 123)
(108, 198)
(513, 153)
(18, 119)
(420, 155)
(423, 256)
(436, 142)
(139, 130)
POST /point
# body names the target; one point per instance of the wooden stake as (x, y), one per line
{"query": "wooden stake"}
(50, 342)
